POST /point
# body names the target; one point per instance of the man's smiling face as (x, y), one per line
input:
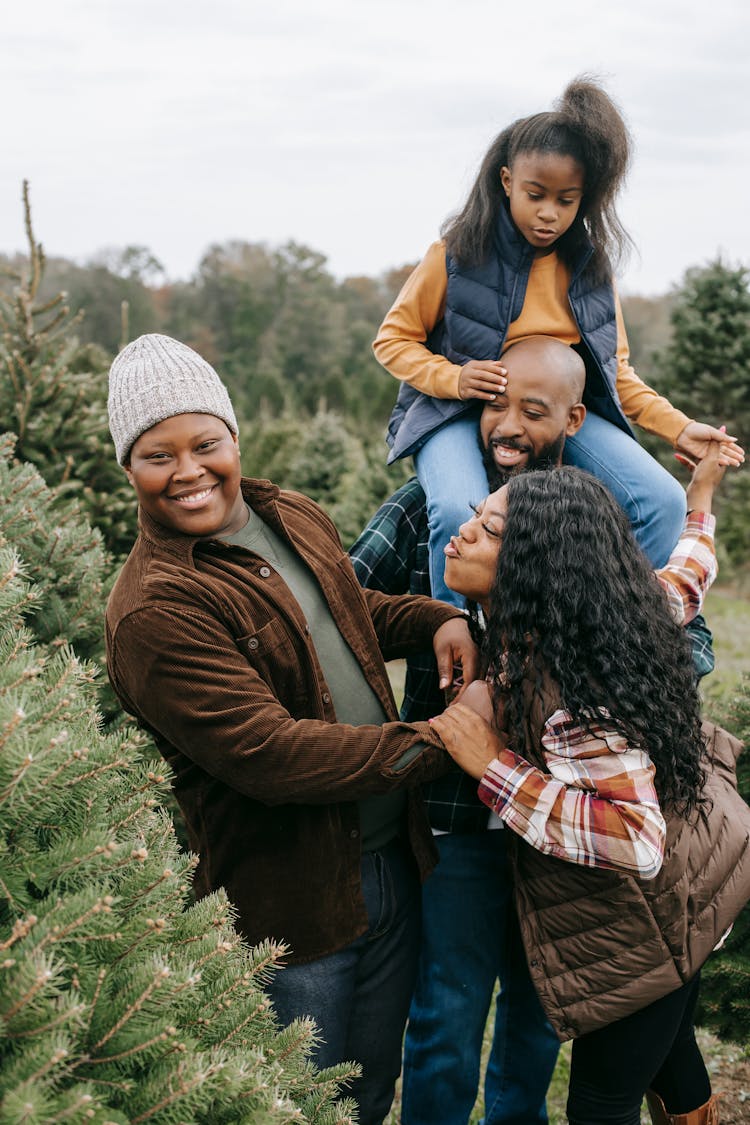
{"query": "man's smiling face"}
(526, 427)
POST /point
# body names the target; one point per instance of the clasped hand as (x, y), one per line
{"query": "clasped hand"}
(697, 438)
(465, 731)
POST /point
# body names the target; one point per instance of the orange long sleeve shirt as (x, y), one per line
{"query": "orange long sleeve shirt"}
(400, 343)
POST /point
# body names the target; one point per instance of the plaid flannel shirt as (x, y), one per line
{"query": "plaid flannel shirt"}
(595, 804)
(392, 555)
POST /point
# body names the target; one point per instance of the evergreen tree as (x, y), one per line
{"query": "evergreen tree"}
(63, 556)
(363, 489)
(705, 371)
(706, 368)
(120, 1001)
(725, 978)
(269, 443)
(325, 454)
(53, 395)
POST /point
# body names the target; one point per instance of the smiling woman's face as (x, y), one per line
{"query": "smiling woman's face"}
(186, 475)
(471, 556)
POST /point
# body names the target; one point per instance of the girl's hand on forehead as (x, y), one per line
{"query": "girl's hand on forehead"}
(483, 379)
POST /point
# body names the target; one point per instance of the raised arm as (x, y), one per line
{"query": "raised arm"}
(692, 566)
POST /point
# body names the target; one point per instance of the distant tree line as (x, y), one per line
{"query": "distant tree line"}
(293, 344)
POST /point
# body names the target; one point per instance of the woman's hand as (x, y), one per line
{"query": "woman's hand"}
(696, 439)
(468, 739)
(707, 476)
(482, 378)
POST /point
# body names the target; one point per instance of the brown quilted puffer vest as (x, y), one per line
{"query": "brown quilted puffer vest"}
(601, 944)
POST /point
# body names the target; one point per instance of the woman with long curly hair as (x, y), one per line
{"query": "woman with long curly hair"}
(631, 843)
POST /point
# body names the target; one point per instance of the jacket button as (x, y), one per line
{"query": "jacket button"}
(265, 572)
(326, 697)
(534, 964)
(253, 643)
(354, 833)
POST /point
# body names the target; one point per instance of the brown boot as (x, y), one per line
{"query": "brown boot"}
(707, 1114)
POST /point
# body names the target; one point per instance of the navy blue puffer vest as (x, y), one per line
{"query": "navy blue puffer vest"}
(481, 303)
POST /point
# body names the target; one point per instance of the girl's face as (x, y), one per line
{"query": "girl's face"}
(471, 556)
(545, 191)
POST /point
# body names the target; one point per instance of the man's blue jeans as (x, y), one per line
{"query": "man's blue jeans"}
(470, 939)
(359, 997)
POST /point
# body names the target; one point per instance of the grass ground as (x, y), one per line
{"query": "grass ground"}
(728, 616)
(728, 1067)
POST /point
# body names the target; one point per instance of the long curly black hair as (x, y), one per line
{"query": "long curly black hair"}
(576, 601)
(587, 126)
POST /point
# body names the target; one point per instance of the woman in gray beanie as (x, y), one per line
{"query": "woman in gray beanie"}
(239, 637)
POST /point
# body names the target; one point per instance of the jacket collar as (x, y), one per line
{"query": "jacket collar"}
(511, 240)
(516, 246)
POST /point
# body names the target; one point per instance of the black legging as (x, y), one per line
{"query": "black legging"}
(653, 1049)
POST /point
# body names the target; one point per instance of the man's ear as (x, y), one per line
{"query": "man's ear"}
(576, 418)
(128, 472)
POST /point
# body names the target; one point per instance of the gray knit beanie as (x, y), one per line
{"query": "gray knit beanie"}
(156, 377)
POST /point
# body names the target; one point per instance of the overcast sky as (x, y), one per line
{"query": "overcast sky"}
(356, 126)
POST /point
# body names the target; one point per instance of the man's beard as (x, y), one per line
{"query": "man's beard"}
(548, 457)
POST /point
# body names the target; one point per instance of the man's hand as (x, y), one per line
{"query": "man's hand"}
(482, 378)
(707, 476)
(453, 645)
(697, 438)
(468, 739)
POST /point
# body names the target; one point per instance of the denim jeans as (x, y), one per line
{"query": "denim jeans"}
(470, 939)
(450, 470)
(359, 996)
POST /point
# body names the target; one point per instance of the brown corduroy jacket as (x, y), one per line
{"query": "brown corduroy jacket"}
(210, 652)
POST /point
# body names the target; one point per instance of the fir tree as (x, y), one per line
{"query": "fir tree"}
(119, 1000)
(362, 490)
(324, 455)
(53, 395)
(706, 368)
(705, 371)
(63, 555)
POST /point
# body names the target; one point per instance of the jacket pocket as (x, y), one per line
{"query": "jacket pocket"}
(271, 652)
